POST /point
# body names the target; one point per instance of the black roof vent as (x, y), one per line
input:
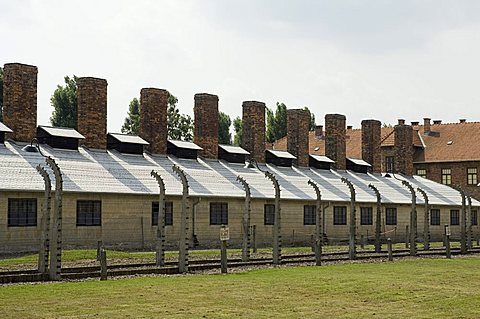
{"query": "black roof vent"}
(279, 158)
(129, 144)
(320, 161)
(4, 129)
(183, 149)
(232, 154)
(59, 137)
(357, 165)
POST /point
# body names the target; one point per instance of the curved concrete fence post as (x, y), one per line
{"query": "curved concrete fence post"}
(378, 219)
(45, 223)
(469, 222)
(426, 220)
(463, 221)
(413, 219)
(183, 243)
(245, 220)
(160, 240)
(277, 235)
(56, 242)
(352, 249)
(318, 223)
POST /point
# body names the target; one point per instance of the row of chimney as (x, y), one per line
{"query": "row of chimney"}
(20, 114)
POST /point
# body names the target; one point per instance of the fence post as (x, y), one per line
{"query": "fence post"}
(378, 219)
(407, 237)
(160, 242)
(277, 235)
(254, 238)
(99, 249)
(390, 250)
(245, 220)
(56, 234)
(352, 249)
(447, 242)
(103, 264)
(45, 223)
(183, 249)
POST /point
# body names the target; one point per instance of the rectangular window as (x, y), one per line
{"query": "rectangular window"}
(366, 216)
(390, 216)
(454, 217)
(390, 163)
(446, 176)
(269, 214)
(218, 214)
(89, 213)
(422, 172)
(22, 212)
(339, 215)
(309, 214)
(474, 218)
(435, 217)
(472, 176)
(168, 213)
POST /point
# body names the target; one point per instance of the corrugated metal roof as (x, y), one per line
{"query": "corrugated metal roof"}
(4, 128)
(321, 158)
(282, 154)
(62, 132)
(184, 144)
(130, 139)
(233, 149)
(112, 172)
(358, 161)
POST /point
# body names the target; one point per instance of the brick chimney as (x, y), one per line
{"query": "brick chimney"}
(298, 122)
(153, 119)
(253, 119)
(319, 131)
(403, 149)
(20, 101)
(335, 135)
(92, 111)
(426, 125)
(401, 122)
(206, 124)
(371, 152)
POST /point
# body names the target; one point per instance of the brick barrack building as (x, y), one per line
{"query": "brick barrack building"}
(110, 195)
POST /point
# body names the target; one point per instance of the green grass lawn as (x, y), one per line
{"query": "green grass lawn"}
(408, 288)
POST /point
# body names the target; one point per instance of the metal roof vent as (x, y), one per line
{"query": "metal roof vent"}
(279, 158)
(232, 154)
(59, 137)
(183, 149)
(129, 144)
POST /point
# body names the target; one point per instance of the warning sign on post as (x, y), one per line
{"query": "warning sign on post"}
(224, 233)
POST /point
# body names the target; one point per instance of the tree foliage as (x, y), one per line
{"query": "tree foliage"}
(276, 123)
(131, 125)
(64, 102)
(1, 94)
(179, 126)
(238, 128)
(312, 119)
(224, 123)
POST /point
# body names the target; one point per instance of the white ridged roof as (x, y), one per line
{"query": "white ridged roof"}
(130, 139)
(112, 172)
(62, 132)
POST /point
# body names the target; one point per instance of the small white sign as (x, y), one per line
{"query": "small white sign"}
(447, 231)
(224, 233)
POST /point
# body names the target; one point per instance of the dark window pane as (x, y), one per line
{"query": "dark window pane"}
(339, 215)
(269, 214)
(89, 213)
(22, 212)
(309, 214)
(168, 213)
(474, 218)
(435, 217)
(454, 217)
(390, 216)
(218, 214)
(366, 217)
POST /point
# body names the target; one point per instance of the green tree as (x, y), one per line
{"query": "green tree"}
(1, 94)
(238, 128)
(312, 119)
(179, 126)
(64, 102)
(132, 121)
(224, 123)
(276, 123)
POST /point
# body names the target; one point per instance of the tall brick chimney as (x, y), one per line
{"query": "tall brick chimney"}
(206, 124)
(153, 119)
(253, 119)
(335, 135)
(426, 125)
(403, 148)
(20, 100)
(298, 122)
(92, 111)
(319, 131)
(371, 152)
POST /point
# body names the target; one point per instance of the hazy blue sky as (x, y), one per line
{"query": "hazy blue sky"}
(365, 59)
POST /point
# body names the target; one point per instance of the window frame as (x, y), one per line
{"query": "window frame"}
(23, 218)
(90, 218)
(422, 172)
(435, 219)
(339, 215)
(390, 164)
(454, 217)
(474, 217)
(472, 177)
(366, 216)
(269, 214)
(391, 216)
(446, 176)
(309, 214)
(218, 213)
(168, 213)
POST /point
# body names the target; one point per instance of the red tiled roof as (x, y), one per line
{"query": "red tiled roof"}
(465, 143)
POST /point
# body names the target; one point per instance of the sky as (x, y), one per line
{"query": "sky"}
(384, 60)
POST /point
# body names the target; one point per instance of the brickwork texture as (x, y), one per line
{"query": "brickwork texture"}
(153, 119)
